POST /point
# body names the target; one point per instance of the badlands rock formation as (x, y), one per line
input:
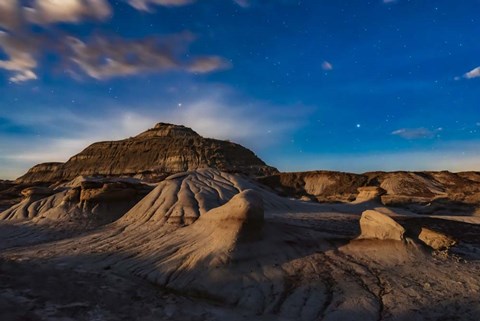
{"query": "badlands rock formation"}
(163, 150)
(375, 225)
(213, 244)
(85, 200)
(220, 246)
(424, 192)
(436, 240)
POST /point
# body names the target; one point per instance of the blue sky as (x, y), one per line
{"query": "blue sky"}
(319, 84)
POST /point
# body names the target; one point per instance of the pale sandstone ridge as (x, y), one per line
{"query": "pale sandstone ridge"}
(375, 225)
(163, 150)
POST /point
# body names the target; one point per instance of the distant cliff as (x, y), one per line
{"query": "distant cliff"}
(437, 192)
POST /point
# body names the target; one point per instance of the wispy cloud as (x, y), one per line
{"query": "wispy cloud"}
(103, 58)
(243, 3)
(416, 133)
(52, 11)
(21, 62)
(99, 57)
(9, 14)
(327, 66)
(474, 73)
(146, 5)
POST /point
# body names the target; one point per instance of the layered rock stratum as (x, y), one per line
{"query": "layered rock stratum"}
(160, 151)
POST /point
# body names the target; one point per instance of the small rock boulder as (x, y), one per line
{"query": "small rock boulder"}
(436, 240)
(375, 225)
(369, 193)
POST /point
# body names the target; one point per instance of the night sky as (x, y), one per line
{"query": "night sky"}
(349, 85)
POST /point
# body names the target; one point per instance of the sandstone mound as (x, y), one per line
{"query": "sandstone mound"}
(244, 212)
(154, 154)
(182, 198)
(375, 225)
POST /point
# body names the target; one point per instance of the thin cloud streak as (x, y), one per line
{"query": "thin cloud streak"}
(416, 133)
(475, 73)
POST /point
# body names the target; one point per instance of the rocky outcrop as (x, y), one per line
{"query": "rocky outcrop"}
(182, 199)
(46, 172)
(425, 192)
(369, 193)
(436, 240)
(319, 185)
(375, 225)
(86, 201)
(161, 151)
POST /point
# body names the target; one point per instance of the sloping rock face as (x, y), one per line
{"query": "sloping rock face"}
(86, 201)
(375, 225)
(161, 151)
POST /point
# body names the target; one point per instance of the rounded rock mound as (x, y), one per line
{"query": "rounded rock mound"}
(375, 225)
